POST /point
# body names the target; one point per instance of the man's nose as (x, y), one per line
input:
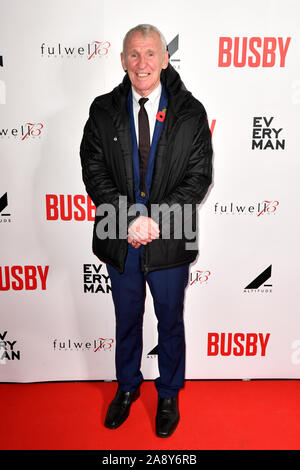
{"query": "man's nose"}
(142, 62)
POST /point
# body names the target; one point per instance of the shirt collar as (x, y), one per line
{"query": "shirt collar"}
(154, 95)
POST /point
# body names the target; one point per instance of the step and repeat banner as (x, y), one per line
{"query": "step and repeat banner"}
(241, 60)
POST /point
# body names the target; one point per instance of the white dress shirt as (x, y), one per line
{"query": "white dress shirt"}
(151, 106)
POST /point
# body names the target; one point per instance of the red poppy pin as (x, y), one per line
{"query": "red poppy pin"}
(161, 115)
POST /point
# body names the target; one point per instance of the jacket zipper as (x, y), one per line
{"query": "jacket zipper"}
(144, 266)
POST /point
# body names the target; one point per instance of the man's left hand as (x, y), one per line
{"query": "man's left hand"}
(133, 242)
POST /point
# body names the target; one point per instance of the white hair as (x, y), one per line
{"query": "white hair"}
(144, 29)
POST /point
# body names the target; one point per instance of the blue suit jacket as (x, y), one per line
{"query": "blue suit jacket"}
(163, 103)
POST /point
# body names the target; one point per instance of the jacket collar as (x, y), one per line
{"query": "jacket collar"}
(179, 97)
(179, 106)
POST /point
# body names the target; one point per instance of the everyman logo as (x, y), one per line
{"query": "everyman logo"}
(265, 135)
(94, 280)
(8, 349)
(92, 50)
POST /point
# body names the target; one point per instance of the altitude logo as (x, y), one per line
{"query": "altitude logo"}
(173, 47)
(8, 349)
(258, 209)
(26, 131)
(4, 212)
(199, 278)
(153, 353)
(2, 86)
(252, 52)
(265, 136)
(237, 344)
(69, 207)
(23, 277)
(93, 345)
(261, 283)
(94, 281)
(91, 51)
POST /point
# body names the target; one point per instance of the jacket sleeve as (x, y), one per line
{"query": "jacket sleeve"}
(197, 178)
(95, 174)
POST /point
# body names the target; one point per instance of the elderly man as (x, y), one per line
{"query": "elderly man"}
(147, 144)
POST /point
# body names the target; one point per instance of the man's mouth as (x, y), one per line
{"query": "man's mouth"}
(142, 75)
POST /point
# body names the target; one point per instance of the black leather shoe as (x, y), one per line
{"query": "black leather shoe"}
(167, 416)
(119, 408)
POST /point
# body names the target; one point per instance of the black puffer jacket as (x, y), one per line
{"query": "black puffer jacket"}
(181, 175)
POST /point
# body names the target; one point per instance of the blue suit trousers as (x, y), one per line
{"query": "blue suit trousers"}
(167, 287)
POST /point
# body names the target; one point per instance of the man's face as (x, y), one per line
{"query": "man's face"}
(144, 59)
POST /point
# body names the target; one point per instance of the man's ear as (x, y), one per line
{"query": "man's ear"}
(123, 62)
(165, 60)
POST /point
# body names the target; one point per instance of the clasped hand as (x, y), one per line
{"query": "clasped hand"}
(142, 231)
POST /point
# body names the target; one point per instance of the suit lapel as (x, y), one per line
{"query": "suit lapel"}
(162, 158)
(157, 150)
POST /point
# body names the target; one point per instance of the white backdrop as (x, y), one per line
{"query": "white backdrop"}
(241, 60)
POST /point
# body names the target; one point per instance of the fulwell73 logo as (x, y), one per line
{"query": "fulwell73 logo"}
(91, 50)
(92, 345)
(259, 209)
(24, 131)
(199, 277)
